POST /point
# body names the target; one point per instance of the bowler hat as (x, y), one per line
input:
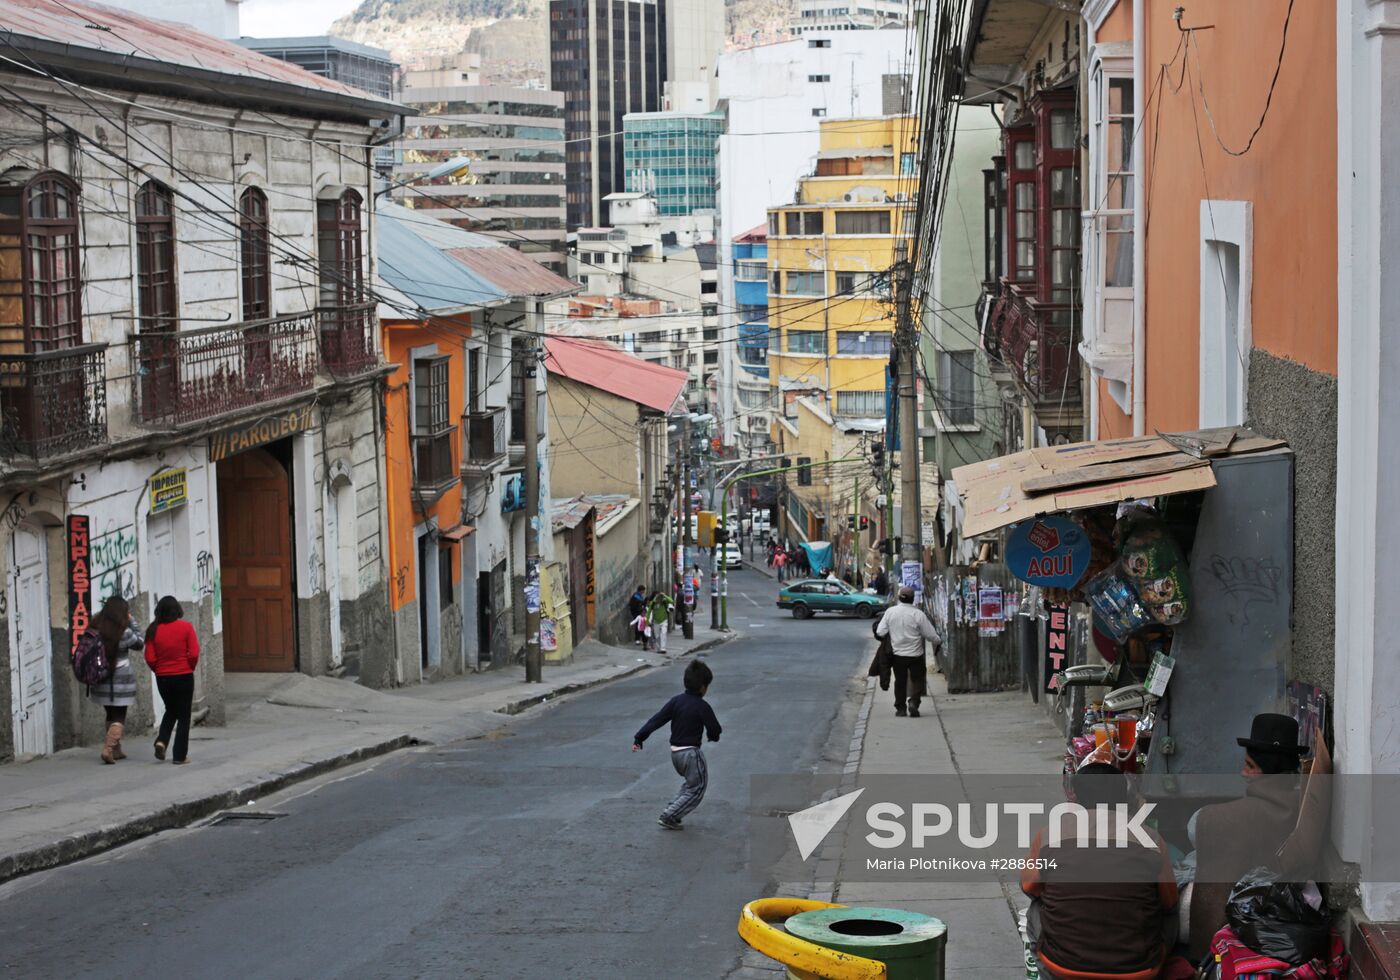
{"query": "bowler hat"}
(1273, 733)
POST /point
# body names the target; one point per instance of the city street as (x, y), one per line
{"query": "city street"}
(535, 853)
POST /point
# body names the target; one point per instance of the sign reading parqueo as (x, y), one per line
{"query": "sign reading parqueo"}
(264, 430)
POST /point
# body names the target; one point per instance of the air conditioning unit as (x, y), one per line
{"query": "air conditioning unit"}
(848, 197)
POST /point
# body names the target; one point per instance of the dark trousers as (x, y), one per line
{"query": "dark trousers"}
(909, 678)
(177, 691)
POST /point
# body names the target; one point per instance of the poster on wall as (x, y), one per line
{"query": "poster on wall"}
(549, 635)
(79, 577)
(1056, 646)
(169, 489)
(989, 619)
(532, 585)
(911, 575)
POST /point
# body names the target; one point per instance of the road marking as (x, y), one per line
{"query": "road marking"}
(758, 625)
(751, 602)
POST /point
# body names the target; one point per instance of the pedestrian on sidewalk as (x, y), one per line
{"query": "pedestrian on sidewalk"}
(636, 606)
(908, 628)
(172, 650)
(780, 563)
(691, 717)
(659, 615)
(114, 624)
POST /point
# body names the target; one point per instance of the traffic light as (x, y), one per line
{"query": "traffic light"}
(721, 535)
(851, 521)
(705, 530)
(864, 523)
(877, 455)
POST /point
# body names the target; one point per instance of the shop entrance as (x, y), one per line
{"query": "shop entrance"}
(255, 545)
(31, 672)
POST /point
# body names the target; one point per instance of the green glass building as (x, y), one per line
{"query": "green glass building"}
(672, 155)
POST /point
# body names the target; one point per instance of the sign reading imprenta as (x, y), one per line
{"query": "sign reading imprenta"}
(264, 430)
(169, 489)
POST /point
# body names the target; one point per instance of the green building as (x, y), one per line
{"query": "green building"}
(672, 156)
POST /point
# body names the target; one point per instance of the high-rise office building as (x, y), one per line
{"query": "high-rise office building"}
(695, 39)
(370, 69)
(514, 188)
(608, 58)
(672, 156)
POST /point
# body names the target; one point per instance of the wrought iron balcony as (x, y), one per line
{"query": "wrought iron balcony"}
(433, 470)
(53, 403)
(1036, 342)
(347, 339)
(190, 375)
(485, 446)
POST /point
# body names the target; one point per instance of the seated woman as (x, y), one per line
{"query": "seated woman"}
(1100, 909)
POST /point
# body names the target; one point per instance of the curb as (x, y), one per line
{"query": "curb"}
(523, 704)
(174, 816)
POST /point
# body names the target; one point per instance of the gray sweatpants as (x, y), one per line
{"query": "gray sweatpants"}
(690, 764)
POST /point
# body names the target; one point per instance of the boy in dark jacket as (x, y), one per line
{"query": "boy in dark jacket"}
(691, 717)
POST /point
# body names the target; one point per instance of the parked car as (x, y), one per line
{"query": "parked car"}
(810, 596)
(760, 522)
(732, 556)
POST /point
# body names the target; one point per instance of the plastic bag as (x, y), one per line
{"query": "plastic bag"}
(1154, 565)
(1118, 611)
(1281, 919)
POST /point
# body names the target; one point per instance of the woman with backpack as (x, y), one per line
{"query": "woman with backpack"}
(172, 650)
(117, 692)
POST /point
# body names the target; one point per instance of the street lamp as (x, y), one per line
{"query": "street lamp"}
(456, 167)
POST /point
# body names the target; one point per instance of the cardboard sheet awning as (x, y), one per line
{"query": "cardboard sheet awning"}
(997, 493)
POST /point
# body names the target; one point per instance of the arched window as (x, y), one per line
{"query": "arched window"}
(339, 248)
(40, 285)
(253, 255)
(155, 257)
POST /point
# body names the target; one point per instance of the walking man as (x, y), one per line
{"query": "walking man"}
(907, 629)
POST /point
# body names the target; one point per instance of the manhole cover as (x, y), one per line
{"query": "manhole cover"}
(235, 817)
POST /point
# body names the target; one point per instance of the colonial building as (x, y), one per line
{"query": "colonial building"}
(189, 376)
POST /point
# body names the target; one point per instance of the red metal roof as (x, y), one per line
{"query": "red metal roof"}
(513, 272)
(120, 32)
(758, 233)
(600, 365)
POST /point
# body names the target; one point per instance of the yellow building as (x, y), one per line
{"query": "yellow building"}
(830, 305)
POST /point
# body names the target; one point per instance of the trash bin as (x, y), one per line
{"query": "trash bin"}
(909, 944)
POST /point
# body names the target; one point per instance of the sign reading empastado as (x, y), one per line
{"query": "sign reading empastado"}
(1049, 551)
(169, 489)
(222, 445)
(79, 577)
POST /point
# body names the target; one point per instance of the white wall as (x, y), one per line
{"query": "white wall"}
(216, 17)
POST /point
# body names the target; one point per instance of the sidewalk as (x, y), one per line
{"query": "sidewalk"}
(282, 728)
(964, 734)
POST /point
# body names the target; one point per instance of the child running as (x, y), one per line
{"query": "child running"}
(690, 716)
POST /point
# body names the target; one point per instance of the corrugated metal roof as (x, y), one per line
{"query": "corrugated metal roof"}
(427, 275)
(512, 271)
(566, 513)
(600, 365)
(758, 233)
(94, 27)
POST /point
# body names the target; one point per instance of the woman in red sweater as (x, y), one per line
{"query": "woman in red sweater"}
(172, 650)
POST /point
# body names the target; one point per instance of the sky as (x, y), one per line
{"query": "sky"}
(290, 18)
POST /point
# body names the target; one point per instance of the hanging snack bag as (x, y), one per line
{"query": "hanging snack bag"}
(1118, 610)
(1154, 565)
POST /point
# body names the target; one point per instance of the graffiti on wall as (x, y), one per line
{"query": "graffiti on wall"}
(206, 580)
(114, 564)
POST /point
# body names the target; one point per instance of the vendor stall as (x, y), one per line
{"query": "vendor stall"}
(1179, 550)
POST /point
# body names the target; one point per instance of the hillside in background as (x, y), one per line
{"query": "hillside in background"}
(512, 36)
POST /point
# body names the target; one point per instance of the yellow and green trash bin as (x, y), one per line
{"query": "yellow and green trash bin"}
(835, 942)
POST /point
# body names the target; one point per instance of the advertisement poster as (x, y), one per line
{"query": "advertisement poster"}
(1056, 646)
(1049, 551)
(169, 489)
(967, 608)
(911, 574)
(989, 619)
(549, 636)
(940, 603)
(532, 585)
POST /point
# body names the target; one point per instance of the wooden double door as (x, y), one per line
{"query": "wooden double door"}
(255, 544)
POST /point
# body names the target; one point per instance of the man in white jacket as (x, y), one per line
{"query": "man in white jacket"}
(907, 629)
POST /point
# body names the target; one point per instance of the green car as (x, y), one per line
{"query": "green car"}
(811, 596)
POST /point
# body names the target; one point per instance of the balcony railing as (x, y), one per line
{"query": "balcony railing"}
(433, 469)
(347, 339)
(53, 403)
(484, 435)
(1037, 343)
(189, 375)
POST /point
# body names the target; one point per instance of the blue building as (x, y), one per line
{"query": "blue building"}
(751, 298)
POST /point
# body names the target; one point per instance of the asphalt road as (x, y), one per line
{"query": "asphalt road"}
(534, 854)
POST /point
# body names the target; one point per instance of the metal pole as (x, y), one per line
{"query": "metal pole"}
(534, 661)
(724, 565)
(907, 340)
(855, 533)
(688, 630)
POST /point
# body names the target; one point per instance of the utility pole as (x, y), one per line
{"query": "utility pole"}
(907, 343)
(856, 567)
(688, 629)
(534, 661)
